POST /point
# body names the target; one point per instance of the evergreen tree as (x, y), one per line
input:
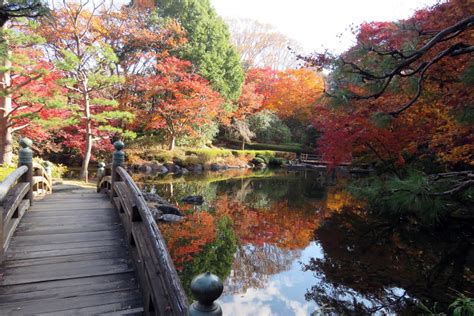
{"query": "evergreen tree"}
(10, 11)
(209, 47)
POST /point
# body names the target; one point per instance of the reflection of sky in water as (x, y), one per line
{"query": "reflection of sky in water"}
(283, 295)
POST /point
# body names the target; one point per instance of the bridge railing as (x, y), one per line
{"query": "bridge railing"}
(161, 287)
(310, 157)
(42, 179)
(17, 191)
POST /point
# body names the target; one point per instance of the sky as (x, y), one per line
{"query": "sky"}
(316, 24)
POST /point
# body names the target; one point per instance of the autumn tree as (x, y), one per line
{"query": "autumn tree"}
(295, 93)
(261, 45)
(402, 98)
(249, 103)
(209, 45)
(177, 100)
(10, 12)
(270, 96)
(75, 43)
(140, 39)
(400, 72)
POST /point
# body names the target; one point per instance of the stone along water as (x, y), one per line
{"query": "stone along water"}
(296, 244)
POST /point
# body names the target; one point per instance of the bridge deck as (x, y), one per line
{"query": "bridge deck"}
(68, 256)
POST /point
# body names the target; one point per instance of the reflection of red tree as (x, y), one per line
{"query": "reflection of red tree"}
(188, 237)
(336, 200)
(279, 225)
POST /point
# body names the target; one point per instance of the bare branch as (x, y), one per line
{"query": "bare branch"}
(406, 68)
(17, 128)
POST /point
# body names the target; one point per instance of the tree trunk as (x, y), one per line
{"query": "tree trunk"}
(173, 142)
(6, 138)
(6, 148)
(88, 137)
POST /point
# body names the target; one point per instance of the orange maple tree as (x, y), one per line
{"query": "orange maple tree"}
(177, 100)
(295, 93)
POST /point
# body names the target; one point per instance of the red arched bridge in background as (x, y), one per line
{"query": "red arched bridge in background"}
(85, 253)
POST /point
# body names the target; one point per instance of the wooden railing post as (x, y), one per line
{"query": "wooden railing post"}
(206, 288)
(100, 174)
(117, 161)
(25, 158)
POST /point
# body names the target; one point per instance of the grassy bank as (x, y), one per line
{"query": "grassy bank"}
(205, 156)
(5, 171)
(291, 147)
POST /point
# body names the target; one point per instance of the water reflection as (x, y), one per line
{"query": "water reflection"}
(296, 244)
(370, 266)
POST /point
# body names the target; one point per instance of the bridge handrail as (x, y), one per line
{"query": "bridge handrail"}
(159, 281)
(16, 193)
(160, 284)
(158, 246)
(43, 177)
(10, 181)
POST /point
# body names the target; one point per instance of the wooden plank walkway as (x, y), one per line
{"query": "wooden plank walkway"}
(68, 256)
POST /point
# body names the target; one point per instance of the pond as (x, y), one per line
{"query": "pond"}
(294, 243)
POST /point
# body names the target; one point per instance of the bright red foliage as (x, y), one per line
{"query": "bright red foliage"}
(433, 126)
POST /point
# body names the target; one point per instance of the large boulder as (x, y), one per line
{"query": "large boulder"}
(156, 213)
(145, 168)
(173, 168)
(162, 170)
(155, 167)
(196, 168)
(215, 167)
(170, 218)
(153, 197)
(168, 209)
(193, 199)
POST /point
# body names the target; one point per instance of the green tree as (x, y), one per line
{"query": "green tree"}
(20, 9)
(209, 46)
(269, 128)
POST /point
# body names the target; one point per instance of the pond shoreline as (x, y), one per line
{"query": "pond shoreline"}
(176, 169)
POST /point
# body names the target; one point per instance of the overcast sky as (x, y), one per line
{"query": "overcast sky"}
(316, 24)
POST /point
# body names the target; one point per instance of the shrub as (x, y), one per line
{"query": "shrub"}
(5, 171)
(269, 128)
(165, 156)
(57, 170)
(192, 160)
(411, 195)
(275, 161)
(258, 160)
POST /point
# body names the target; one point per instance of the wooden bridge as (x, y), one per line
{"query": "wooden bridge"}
(314, 159)
(85, 253)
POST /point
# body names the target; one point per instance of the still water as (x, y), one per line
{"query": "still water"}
(288, 243)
